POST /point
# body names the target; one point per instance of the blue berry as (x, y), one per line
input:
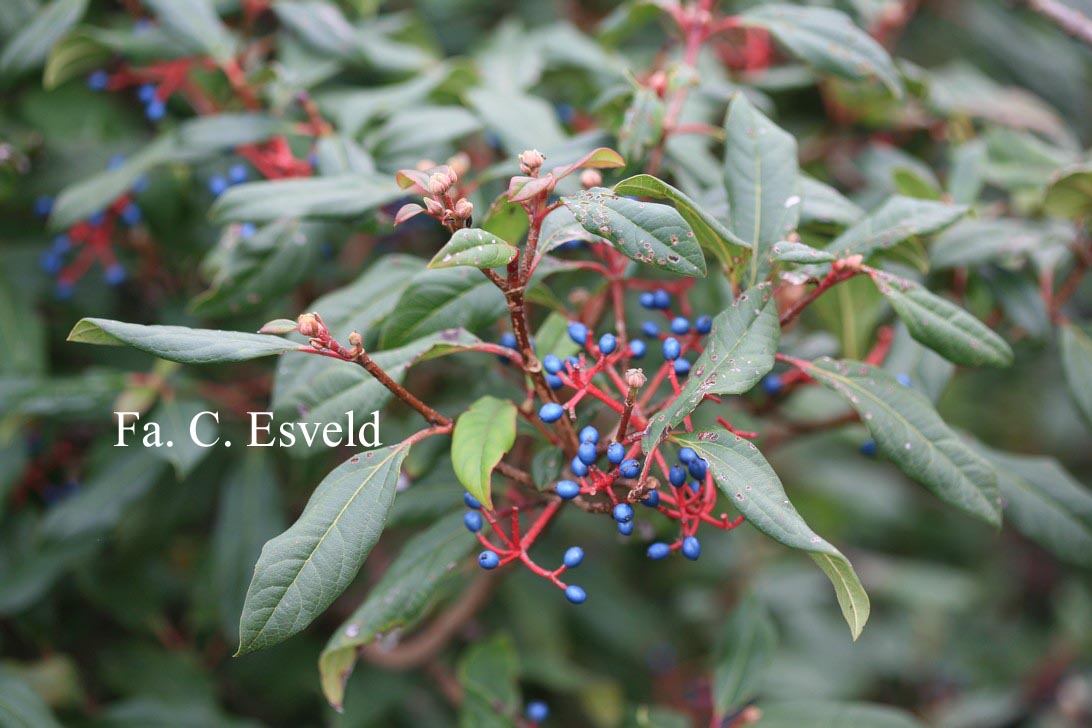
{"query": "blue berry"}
(237, 174)
(589, 434)
(43, 205)
(904, 380)
(115, 161)
(114, 275)
(98, 80)
(677, 475)
(473, 521)
(63, 291)
(680, 325)
(695, 486)
(625, 528)
(575, 594)
(650, 329)
(616, 453)
(682, 367)
(247, 229)
(659, 550)
(686, 454)
(607, 343)
(573, 556)
(61, 244)
(508, 340)
(567, 489)
(661, 299)
(578, 467)
(52, 262)
(671, 348)
(647, 299)
(586, 453)
(573, 362)
(217, 185)
(652, 499)
(771, 384)
(630, 468)
(155, 110)
(471, 501)
(698, 468)
(565, 113)
(704, 324)
(550, 412)
(146, 93)
(131, 214)
(537, 711)
(97, 219)
(637, 348)
(554, 381)
(488, 560)
(551, 364)
(578, 332)
(868, 447)
(691, 548)
(623, 513)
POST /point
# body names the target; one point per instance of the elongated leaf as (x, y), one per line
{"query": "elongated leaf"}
(643, 125)
(488, 673)
(756, 492)
(403, 596)
(21, 706)
(823, 714)
(942, 326)
(908, 431)
(1070, 193)
(483, 434)
(195, 24)
(343, 196)
(974, 241)
(1046, 504)
(746, 644)
(224, 131)
(894, 221)
(307, 567)
(442, 299)
(175, 417)
(828, 40)
(710, 232)
(30, 46)
(824, 204)
(1076, 349)
(739, 351)
(520, 121)
(761, 176)
(179, 343)
(790, 252)
(474, 247)
(647, 232)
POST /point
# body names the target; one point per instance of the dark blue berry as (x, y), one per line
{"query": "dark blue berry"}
(661, 299)
(586, 453)
(52, 262)
(625, 528)
(567, 489)
(589, 434)
(573, 556)
(637, 348)
(488, 560)
(63, 290)
(691, 548)
(868, 447)
(682, 367)
(704, 324)
(771, 384)
(686, 454)
(698, 468)
(647, 299)
(630, 468)
(623, 513)
(146, 93)
(471, 501)
(114, 275)
(237, 174)
(578, 332)
(155, 110)
(671, 348)
(677, 475)
(61, 244)
(98, 80)
(652, 499)
(97, 219)
(565, 113)
(247, 229)
(217, 185)
(616, 453)
(537, 711)
(578, 467)
(904, 380)
(659, 551)
(554, 381)
(131, 214)
(551, 363)
(473, 521)
(575, 594)
(607, 343)
(679, 325)
(650, 329)
(43, 205)
(573, 362)
(550, 412)
(695, 486)
(508, 340)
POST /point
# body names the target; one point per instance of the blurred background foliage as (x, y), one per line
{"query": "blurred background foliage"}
(122, 572)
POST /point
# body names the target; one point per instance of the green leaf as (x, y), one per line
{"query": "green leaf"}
(442, 299)
(756, 492)
(507, 220)
(746, 645)
(824, 204)
(73, 56)
(488, 673)
(1070, 194)
(739, 351)
(403, 596)
(414, 131)
(195, 24)
(710, 232)
(761, 176)
(974, 241)
(642, 126)
(30, 46)
(787, 251)
(1076, 347)
(894, 221)
(341, 196)
(829, 714)
(249, 514)
(209, 134)
(179, 343)
(483, 434)
(828, 40)
(303, 570)
(175, 417)
(351, 108)
(643, 231)
(909, 432)
(521, 121)
(942, 326)
(21, 706)
(476, 248)
(1046, 504)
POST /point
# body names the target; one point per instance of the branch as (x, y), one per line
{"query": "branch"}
(1070, 20)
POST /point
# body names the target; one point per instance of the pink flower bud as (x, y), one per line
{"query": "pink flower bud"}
(438, 184)
(635, 378)
(591, 178)
(308, 325)
(464, 208)
(530, 161)
(434, 208)
(460, 164)
(356, 340)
